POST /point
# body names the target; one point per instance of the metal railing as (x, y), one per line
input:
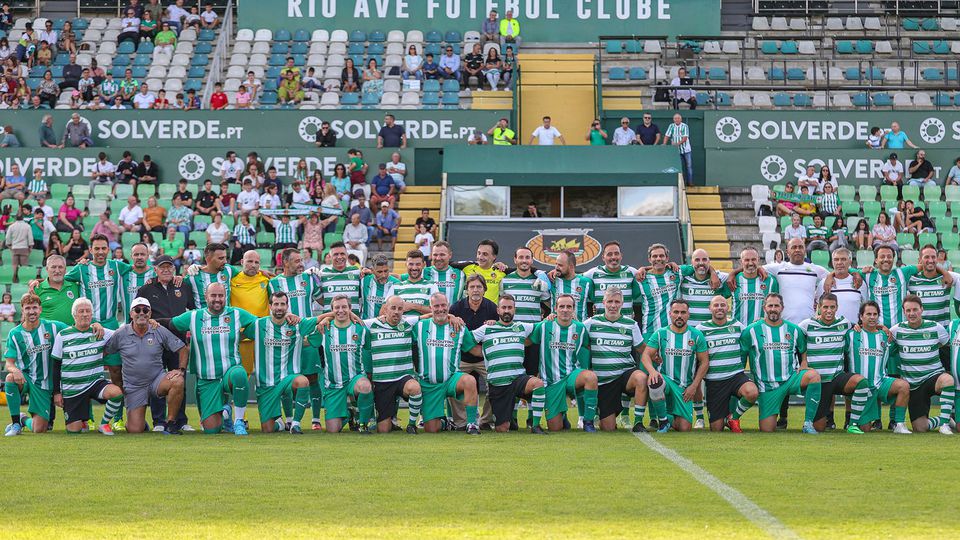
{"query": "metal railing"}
(220, 54)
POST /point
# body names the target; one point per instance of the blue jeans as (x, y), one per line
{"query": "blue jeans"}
(687, 158)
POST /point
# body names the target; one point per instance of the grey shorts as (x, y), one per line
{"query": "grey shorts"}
(138, 395)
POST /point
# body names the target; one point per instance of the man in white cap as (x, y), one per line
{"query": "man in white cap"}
(141, 346)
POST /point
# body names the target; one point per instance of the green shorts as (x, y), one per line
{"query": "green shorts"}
(881, 395)
(435, 396)
(213, 394)
(771, 400)
(676, 406)
(335, 399)
(309, 361)
(557, 393)
(268, 398)
(40, 399)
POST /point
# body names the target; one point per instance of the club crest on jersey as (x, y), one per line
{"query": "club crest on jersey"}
(70, 295)
(356, 337)
(927, 336)
(178, 293)
(263, 285)
(289, 333)
(623, 331)
(150, 341)
(576, 337)
(788, 337)
(673, 277)
(226, 319)
(690, 343)
(893, 280)
(763, 286)
(110, 272)
(579, 289)
(517, 328)
(223, 277)
(46, 335)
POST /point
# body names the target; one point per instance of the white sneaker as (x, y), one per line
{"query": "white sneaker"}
(698, 424)
(157, 428)
(945, 429)
(901, 429)
(187, 427)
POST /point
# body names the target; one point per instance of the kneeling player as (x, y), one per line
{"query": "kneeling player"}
(868, 351)
(390, 346)
(725, 379)
(685, 362)
(346, 367)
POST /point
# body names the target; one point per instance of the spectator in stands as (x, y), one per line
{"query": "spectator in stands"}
(193, 18)
(490, 29)
(6, 18)
(207, 200)
(231, 168)
(892, 171)
(875, 139)
(326, 138)
(828, 204)
(26, 46)
(44, 55)
(5, 50)
(209, 18)
(680, 94)
(34, 105)
(69, 216)
(243, 98)
(493, 68)
(67, 42)
(398, 170)
(104, 172)
(109, 229)
(136, 7)
(71, 73)
(244, 238)
(896, 139)
(218, 232)
(838, 235)
(502, 134)
(884, 234)
(862, 237)
(88, 87)
(331, 208)
(227, 201)
(532, 211)
(192, 255)
(795, 230)
(506, 72)
(19, 238)
(48, 91)
(510, 31)
(372, 80)
(131, 216)
(809, 179)
(816, 235)
(313, 234)
(297, 195)
(431, 69)
(387, 224)
(76, 248)
(473, 65)
(953, 177)
(109, 88)
(193, 101)
(356, 236)
(476, 138)
(38, 189)
(826, 177)
(7, 310)
(678, 134)
(391, 134)
(623, 135)
(118, 104)
(248, 200)
(48, 35)
(428, 222)
(412, 64)
(146, 172)
(14, 185)
(254, 176)
(9, 140)
(148, 25)
(290, 90)
(917, 219)
(54, 246)
(183, 194)
(127, 170)
(270, 200)
(921, 171)
(162, 103)
(253, 86)
(218, 100)
(175, 15)
(597, 136)
(154, 216)
(128, 86)
(179, 104)
(341, 182)
(546, 134)
(449, 65)
(272, 180)
(148, 240)
(349, 77)
(806, 206)
(382, 186)
(130, 28)
(172, 246)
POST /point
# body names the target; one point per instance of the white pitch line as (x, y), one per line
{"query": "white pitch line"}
(760, 517)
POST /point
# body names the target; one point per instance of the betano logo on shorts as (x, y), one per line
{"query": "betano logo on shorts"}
(548, 244)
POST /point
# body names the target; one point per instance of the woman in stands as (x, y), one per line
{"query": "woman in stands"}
(492, 68)
(68, 40)
(148, 26)
(68, 219)
(146, 239)
(54, 247)
(332, 200)
(826, 178)
(862, 236)
(884, 234)
(313, 234)
(301, 173)
(838, 235)
(340, 182)
(76, 248)
(373, 79)
(5, 50)
(412, 64)
(349, 77)
(49, 90)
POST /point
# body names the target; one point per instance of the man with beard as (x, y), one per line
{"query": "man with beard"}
(448, 280)
(414, 289)
(139, 274)
(347, 369)
(749, 288)
(725, 379)
(475, 310)
(337, 278)
(377, 287)
(565, 280)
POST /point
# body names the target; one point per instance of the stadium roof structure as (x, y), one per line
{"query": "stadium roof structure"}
(562, 165)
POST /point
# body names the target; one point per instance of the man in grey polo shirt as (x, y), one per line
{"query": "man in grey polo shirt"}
(141, 349)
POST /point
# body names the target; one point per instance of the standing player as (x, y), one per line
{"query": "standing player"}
(279, 356)
(389, 343)
(613, 340)
(101, 281)
(337, 278)
(658, 287)
(867, 352)
(448, 280)
(502, 345)
(215, 333)
(683, 351)
(139, 274)
(215, 271)
(377, 287)
(415, 289)
(77, 358)
(749, 288)
(487, 266)
(565, 365)
(772, 346)
(725, 379)
(932, 286)
(347, 368)
(887, 285)
(916, 347)
(28, 366)
(566, 281)
(849, 288)
(56, 295)
(440, 341)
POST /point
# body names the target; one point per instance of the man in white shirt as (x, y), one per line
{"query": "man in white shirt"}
(546, 134)
(681, 94)
(623, 135)
(104, 172)
(795, 230)
(809, 179)
(49, 35)
(299, 195)
(175, 14)
(355, 236)
(270, 199)
(131, 215)
(892, 172)
(231, 168)
(145, 99)
(398, 170)
(248, 200)
(851, 289)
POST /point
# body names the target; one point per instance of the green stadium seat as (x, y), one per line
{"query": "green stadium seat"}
(951, 193)
(200, 237)
(954, 257)
(784, 222)
(846, 193)
(888, 193)
(200, 218)
(807, 221)
(266, 238)
(129, 238)
(88, 223)
(59, 191)
(871, 208)
(331, 238)
(35, 258)
(6, 273)
(167, 190)
(943, 224)
(124, 191)
(867, 193)
(864, 46)
(266, 257)
(82, 191)
(955, 208)
(865, 257)
(820, 257)
(909, 257)
(906, 240)
(618, 74)
(931, 193)
(926, 238)
(937, 207)
(5, 328)
(26, 273)
(829, 221)
(950, 240)
(779, 188)
(911, 193)
(850, 208)
(17, 290)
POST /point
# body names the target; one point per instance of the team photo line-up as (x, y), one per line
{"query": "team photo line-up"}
(349, 343)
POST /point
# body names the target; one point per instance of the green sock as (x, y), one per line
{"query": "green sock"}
(698, 409)
(812, 400)
(743, 405)
(316, 399)
(582, 406)
(119, 415)
(861, 396)
(286, 401)
(639, 411)
(113, 405)
(300, 404)
(658, 409)
(589, 410)
(472, 414)
(537, 403)
(365, 406)
(934, 423)
(947, 396)
(414, 403)
(13, 400)
(899, 414)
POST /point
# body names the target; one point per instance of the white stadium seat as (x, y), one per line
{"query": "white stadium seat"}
(872, 23)
(779, 24)
(854, 24)
(798, 24)
(337, 48)
(188, 35)
(172, 86)
(391, 99)
(236, 72)
(177, 72)
(332, 72)
(318, 48)
(731, 47)
(239, 59)
(771, 240)
(410, 99)
(258, 60)
(414, 36)
(395, 36)
(111, 35)
(157, 72)
(115, 23)
(107, 47)
(320, 36)
(263, 34)
(471, 37)
(242, 47)
(96, 23)
(336, 61)
(339, 36)
(391, 85)
(154, 85)
(712, 47)
(245, 34)
(767, 224)
(316, 60)
(760, 24)
(398, 48)
(922, 99)
(232, 85)
(260, 47)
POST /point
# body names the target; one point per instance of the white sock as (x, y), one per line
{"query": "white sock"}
(238, 413)
(294, 424)
(316, 420)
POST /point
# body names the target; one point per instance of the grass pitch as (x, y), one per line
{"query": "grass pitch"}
(569, 485)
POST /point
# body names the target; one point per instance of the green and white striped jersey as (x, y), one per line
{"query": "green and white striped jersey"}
(439, 348)
(656, 293)
(678, 352)
(698, 293)
(132, 282)
(562, 349)
(80, 357)
(375, 295)
(344, 354)
(888, 291)
(30, 351)
(611, 345)
(527, 298)
(202, 280)
(723, 347)
(301, 291)
(286, 233)
(867, 354)
(278, 348)
(954, 333)
(214, 339)
(390, 349)
(103, 286)
(415, 293)
(934, 296)
(335, 282)
(503, 347)
(449, 281)
(772, 352)
(825, 345)
(749, 296)
(917, 350)
(580, 288)
(625, 278)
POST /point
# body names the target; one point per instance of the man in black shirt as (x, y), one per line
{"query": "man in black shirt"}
(185, 196)
(167, 300)
(273, 180)
(206, 199)
(475, 310)
(921, 171)
(147, 173)
(648, 133)
(473, 65)
(391, 135)
(326, 138)
(71, 73)
(425, 220)
(127, 170)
